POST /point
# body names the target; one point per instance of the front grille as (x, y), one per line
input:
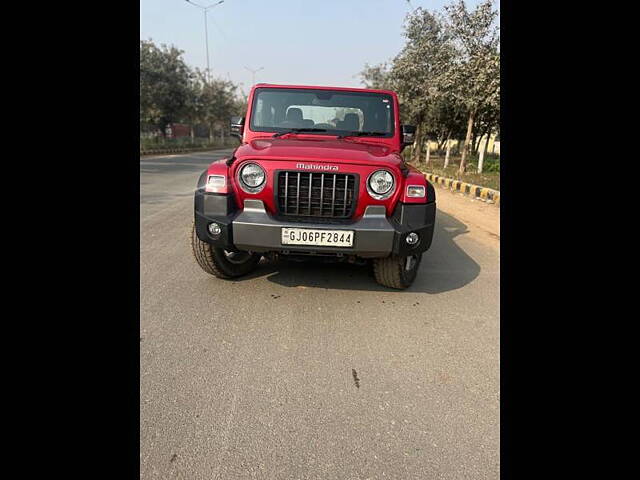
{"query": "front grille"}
(306, 194)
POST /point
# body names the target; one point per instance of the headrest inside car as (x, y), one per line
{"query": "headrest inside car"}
(294, 115)
(351, 122)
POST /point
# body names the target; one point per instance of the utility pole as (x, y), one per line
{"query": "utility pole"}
(253, 74)
(206, 32)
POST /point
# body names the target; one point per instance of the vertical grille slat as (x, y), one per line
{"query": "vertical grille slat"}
(333, 196)
(320, 195)
(310, 190)
(346, 190)
(286, 191)
(298, 196)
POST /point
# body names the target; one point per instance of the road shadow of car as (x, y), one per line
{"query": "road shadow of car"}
(445, 266)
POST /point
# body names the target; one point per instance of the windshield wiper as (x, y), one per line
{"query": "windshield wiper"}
(362, 134)
(299, 130)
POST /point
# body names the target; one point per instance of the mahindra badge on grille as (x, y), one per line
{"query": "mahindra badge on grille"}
(303, 166)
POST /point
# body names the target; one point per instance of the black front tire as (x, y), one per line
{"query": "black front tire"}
(396, 272)
(220, 262)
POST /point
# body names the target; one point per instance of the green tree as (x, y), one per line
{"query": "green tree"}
(417, 75)
(217, 102)
(474, 77)
(193, 110)
(487, 123)
(165, 85)
(447, 75)
(376, 76)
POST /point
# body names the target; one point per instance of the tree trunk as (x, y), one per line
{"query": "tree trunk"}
(485, 133)
(417, 150)
(486, 145)
(426, 161)
(211, 133)
(482, 153)
(423, 139)
(191, 132)
(463, 158)
(446, 157)
(475, 142)
(441, 143)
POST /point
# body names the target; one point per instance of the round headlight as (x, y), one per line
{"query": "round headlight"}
(380, 184)
(252, 176)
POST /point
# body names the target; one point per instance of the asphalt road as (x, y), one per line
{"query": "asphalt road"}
(309, 371)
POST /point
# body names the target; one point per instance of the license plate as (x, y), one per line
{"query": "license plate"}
(322, 238)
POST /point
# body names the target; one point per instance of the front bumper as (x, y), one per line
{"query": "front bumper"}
(255, 230)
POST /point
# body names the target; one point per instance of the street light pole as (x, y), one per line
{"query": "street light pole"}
(206, 31)
(253, 74)
(206, 38)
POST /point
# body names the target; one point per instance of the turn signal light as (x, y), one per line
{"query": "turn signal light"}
(416, 191)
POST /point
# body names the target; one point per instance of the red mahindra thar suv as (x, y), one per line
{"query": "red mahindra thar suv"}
(318, 173)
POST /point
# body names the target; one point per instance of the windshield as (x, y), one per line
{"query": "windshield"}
(322, 112)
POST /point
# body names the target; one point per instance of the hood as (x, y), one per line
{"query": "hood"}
(319, 150)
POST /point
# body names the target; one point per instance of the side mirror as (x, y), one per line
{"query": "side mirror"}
(408, 135)
(237, 127)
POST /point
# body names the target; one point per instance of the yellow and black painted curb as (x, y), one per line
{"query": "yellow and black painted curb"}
(164, 151)
(475, 191)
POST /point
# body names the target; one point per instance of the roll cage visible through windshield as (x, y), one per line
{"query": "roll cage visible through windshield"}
(323, 112)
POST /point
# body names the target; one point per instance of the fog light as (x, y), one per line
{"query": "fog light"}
(412, 238)
(214, 229)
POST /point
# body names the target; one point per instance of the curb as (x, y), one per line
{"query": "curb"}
(177, 150)
(484, 194)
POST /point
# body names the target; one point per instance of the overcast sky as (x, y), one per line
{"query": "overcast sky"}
(321, 42)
